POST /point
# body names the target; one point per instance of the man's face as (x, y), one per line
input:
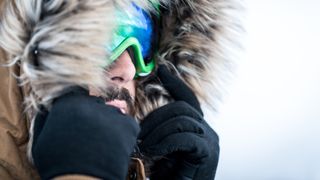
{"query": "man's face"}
(120, 75)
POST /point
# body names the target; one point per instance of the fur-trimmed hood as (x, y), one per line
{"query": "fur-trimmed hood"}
(60, 43)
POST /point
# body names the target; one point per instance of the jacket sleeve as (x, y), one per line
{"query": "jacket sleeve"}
(82, 135)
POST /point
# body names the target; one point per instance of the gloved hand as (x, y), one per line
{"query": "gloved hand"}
(177, 133)
(82, 135)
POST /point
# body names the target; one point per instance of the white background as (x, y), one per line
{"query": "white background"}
(269, 124)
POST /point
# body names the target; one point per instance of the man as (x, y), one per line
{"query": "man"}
(97, 119)
(60, 66)
(77, 119)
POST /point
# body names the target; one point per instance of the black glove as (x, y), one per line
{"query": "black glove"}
(177, 132)
(82, 135)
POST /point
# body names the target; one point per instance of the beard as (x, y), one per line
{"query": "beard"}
(116, 93)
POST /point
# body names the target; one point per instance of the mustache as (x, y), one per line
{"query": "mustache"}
(113, 93)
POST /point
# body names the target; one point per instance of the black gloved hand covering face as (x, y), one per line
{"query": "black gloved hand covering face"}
(83, 135)
(178, 133)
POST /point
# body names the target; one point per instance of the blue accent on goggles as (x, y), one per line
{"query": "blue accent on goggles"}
(135, 30)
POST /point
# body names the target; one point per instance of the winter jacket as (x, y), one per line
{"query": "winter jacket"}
(13, 128)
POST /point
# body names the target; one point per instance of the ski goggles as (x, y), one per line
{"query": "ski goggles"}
(136, 32)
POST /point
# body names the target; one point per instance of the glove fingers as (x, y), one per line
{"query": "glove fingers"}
(193, 147)
(177, 88)
(165, 113)
(175, 125)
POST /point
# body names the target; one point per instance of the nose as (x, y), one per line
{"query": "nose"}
(122, 71)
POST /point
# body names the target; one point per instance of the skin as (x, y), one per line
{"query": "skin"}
(121, 75)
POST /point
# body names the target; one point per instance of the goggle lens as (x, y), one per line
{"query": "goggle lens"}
(136, 33)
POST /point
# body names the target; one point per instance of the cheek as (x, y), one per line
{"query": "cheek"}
(132, 88)
(130, 69)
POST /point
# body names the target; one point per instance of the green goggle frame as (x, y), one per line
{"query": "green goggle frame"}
(137, 33)
(142, 69)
